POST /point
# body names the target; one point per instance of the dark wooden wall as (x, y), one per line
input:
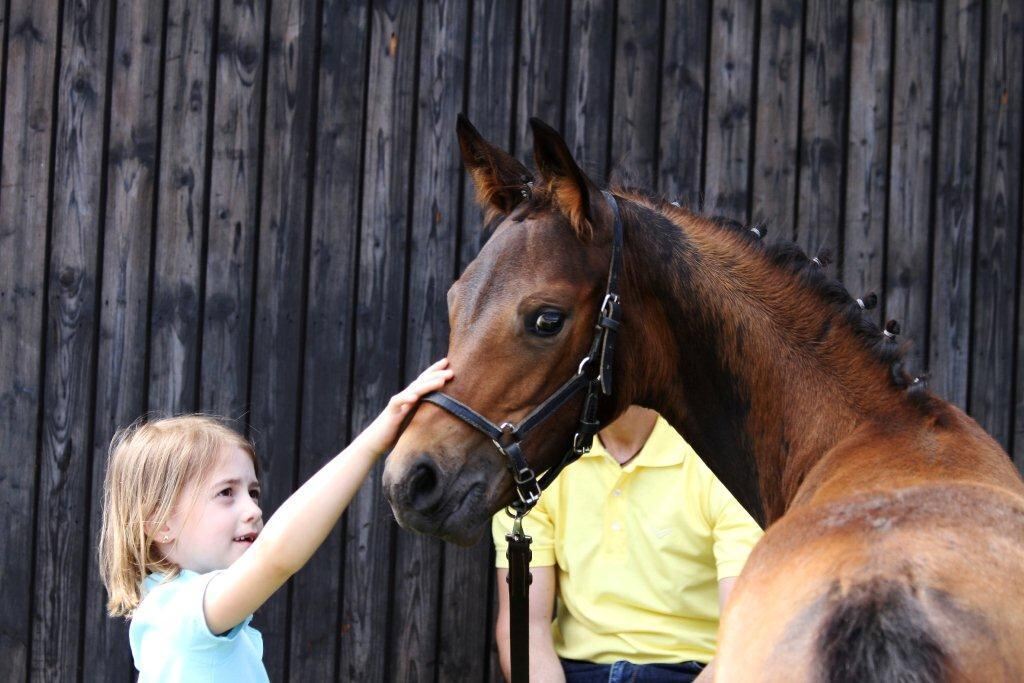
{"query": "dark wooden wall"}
(254, 208)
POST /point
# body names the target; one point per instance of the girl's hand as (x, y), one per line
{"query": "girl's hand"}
(383, 431)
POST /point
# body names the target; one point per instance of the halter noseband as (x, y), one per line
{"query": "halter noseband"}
(594, 374)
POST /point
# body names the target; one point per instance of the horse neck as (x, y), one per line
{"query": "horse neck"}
(755, 370)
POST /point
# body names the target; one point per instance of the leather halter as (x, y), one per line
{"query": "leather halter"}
(593, 374)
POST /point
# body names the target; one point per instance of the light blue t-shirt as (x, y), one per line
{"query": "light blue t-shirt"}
(171, 641)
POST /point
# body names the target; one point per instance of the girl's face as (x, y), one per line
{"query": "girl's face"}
(223, 521)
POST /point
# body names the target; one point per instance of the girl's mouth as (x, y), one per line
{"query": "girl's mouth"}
(246, 538)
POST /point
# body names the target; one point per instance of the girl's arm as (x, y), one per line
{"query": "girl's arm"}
(303, 521)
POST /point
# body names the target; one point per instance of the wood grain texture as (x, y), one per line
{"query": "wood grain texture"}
(955, 200)
(589, 85)
(541, 70)
(907, 269)
(124, 302)
(867, 149)
(181, 224)
(32, 53)
(683, 85)
(63, 490)
(999, 222)
(369, 549)
(234, 209)
(634, 123)
(775, 159)
(276, 382)
(316, 594)
(730, 124)
(822, 134)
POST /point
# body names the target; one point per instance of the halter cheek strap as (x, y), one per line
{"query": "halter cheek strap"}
(594, 374)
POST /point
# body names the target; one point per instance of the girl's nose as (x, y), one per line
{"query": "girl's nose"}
(253, 511)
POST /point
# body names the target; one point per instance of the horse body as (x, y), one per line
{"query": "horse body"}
(895, 524)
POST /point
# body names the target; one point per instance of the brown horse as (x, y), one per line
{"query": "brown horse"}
(895, 525)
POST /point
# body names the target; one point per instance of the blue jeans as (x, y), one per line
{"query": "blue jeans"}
(626, 672)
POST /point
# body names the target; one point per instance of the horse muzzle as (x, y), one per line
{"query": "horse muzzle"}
(455, 506)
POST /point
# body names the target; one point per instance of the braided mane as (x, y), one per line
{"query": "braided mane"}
(790, 258)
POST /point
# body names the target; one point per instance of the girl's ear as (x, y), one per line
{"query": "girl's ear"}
(161, 534)
(500, 180)
(566, 183)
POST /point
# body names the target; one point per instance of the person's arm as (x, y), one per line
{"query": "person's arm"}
(303, 521)
(544, 663)
(725, 587)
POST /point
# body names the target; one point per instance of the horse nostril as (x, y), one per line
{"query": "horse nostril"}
(423, 484)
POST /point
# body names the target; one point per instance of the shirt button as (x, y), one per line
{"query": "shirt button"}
(616, 526)
(617, 492)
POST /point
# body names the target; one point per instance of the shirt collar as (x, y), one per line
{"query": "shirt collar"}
(663, 448)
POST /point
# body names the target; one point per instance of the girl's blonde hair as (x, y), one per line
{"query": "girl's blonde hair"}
(148, 467)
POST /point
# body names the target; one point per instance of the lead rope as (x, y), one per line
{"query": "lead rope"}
(519, 580)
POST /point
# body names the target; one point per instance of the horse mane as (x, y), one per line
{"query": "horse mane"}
(789, 258)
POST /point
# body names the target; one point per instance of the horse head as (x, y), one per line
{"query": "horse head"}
(522, 315)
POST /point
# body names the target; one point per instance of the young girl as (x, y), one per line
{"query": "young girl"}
(183, 550)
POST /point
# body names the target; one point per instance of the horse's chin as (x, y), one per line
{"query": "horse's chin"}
(463, 521)
(463, 531)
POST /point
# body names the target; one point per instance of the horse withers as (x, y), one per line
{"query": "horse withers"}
(894, 548)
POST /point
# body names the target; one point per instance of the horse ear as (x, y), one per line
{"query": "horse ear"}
(567, 184)
(499, 178)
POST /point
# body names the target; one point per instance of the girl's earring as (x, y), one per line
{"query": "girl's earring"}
(166, 539)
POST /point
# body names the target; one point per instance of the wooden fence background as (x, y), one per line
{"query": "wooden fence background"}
(254, 208)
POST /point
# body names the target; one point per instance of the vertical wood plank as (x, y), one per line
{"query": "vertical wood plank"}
(949, 347)
(276, 382)
(822, 138)
(4, 8)
(683, 100)
(635, 105)
(907, 270)
(62, 521)
(778, 116)
(380, 302)
(542, 52)
(124, 302)
(867, 149)
(589, 85)
(432, 256)
(234, 208)
(326, 411)
(489, 101)
(998, 229)
(180, 226)
(32, 52)
(730, 108)
(465, 624)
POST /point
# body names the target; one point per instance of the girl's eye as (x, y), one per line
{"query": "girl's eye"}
(224, 492)
(547, 323)
(255, 494)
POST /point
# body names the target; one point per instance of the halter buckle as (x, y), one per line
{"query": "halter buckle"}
(611, 300)
(578, 447)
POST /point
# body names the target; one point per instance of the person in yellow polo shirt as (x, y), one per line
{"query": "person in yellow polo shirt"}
(640, 544)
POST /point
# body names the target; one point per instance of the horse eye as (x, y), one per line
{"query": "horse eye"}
(548, 323)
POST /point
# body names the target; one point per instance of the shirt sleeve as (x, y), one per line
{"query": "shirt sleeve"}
(538, 525)
(193, 633)
(733, 531)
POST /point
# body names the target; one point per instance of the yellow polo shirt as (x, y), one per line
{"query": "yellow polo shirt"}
(640, 550)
